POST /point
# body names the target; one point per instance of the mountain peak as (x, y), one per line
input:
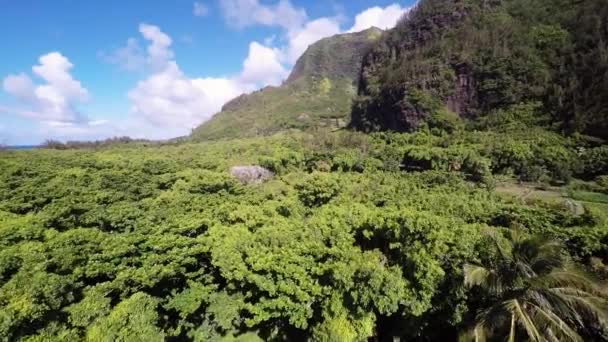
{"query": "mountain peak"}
(318, 93)
(338, 56)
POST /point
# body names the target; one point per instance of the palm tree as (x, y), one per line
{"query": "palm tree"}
(534, 293)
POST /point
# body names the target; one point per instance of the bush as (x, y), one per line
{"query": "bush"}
(602, 182)
(477, 169)
(318, 189)
(593, 163)
(281, 162)
(533, 173)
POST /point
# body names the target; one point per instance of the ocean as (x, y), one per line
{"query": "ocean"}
(22, 147)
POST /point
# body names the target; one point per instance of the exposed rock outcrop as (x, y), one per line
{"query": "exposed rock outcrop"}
(252, 174)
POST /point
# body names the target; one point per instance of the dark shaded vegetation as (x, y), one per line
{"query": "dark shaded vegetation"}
(477, 56)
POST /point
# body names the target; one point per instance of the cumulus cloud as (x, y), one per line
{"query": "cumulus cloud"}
(168, 97)
(313, 31)
(383, 18)
(159, 51)
(299, 31)
(263, 66)
(131, 57)
(243, 13)
(199, 9)
(56, 99)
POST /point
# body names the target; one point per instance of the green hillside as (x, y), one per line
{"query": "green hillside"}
(318, 93)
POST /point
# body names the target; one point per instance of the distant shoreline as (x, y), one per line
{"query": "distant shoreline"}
(22, 147)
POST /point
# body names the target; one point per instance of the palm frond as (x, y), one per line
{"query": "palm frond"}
(546, 320)
(523, 319)
(537, 291)
(488, 279)
(588, 308)
(569, 278)
(475, 275)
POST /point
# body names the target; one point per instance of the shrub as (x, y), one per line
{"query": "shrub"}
(593, 163)
(533, 173)
(318, 189)
(602, 182)
(477, 169)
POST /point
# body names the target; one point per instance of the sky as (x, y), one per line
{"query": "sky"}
(154, 69)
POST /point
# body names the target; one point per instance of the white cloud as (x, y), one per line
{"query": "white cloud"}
(53, 101)
(167, 97)
(309, 34)
(159, 51)
(200, 10)
(263, 66)
(131, 57)
(243, 13)
(383, 18)
(19, 86)
(170, 98)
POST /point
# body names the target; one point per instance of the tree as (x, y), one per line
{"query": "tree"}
(532, 289)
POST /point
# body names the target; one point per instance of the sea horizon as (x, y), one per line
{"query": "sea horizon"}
(21, 147)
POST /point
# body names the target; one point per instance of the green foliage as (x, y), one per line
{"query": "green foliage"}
(318, 189)
(529, 289)
(356, 236)
(134, 319)
(478, 57)
(593, 162)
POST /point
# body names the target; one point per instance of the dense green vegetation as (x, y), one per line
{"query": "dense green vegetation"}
(318, 93)
(355, 236)
(487, 220)
(480, 55)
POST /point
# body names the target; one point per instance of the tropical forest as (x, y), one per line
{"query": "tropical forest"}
(443, 180)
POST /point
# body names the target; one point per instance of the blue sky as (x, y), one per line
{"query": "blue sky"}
(81, 70)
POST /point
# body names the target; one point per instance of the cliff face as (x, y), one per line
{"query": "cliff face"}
(318, 93)
(336, 57)
(407, 58)
(476, 56)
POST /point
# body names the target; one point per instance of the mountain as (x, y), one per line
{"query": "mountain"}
(317, 93)
(448, 59)
(474, 57)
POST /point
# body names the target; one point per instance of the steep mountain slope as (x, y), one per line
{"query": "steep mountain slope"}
(476, 56)
(318, 93)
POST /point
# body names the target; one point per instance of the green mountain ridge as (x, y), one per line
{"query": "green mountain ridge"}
(466, 57)
(318, 93)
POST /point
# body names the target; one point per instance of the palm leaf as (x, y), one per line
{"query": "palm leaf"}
(523, 319)
(549, 321)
